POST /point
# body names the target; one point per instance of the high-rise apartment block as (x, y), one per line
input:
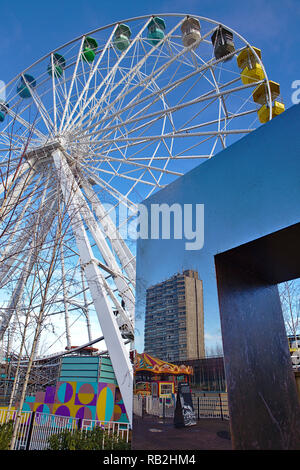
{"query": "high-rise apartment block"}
(174, 319)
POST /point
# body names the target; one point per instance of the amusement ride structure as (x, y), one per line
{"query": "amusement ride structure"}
(87, 133)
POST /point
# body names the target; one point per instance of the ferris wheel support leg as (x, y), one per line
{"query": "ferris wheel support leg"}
(113, 339)
(88, 217)
(124, 254)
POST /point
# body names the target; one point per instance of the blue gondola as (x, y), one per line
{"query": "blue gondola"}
(25, 84)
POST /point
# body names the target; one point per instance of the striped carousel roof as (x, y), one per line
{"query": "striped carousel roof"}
(144, 361)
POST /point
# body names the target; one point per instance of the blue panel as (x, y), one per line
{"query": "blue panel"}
(106, 364)
(81, 359)
(91, 367)
(249, 190)
(79, 373)
(106, 368)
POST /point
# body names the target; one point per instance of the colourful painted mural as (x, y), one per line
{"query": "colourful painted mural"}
(85, 400)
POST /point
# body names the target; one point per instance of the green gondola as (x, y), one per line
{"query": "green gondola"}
(156, 30)
(122, 37)
(89, 47)
(59, 64)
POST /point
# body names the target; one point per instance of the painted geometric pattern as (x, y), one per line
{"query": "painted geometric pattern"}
(85, 400)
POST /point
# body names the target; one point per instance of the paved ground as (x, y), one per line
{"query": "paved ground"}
(151, 433)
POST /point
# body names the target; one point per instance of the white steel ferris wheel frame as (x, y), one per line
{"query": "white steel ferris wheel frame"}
(84, 215)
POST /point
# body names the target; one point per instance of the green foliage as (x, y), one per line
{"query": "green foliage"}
(6, 432)
(95, 439)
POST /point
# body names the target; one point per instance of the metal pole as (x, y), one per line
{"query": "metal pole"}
(222, 417)
(30, 431)
(67, 322)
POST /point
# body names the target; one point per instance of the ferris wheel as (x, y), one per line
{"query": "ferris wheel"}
(92, 129)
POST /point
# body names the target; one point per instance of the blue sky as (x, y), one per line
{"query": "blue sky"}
(33, 28)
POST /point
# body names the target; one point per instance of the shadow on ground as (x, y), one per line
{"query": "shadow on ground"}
(152, 433)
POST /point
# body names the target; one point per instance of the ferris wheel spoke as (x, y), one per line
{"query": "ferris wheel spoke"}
(173, 109)
(141, 165)
(155, 74)
(136, 68)
(30, 127)
(203, 123)
(134, 141)
(156, 94)
(54, 95)
(216, 121)
(171, 85)
(92, 73)
(40, 107)
(110, 73)
(124, 176)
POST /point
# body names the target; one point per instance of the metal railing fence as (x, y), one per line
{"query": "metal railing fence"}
(204, 407)
(36, 428)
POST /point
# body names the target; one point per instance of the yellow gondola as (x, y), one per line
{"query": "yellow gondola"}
(252, 75)
(264, 111)
(260, 94)
(251, 69)
(247, 58)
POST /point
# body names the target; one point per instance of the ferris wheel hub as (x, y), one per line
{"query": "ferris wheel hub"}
(41, 154)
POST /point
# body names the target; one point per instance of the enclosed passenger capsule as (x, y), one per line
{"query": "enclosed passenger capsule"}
(59, 64)
(251, 69)
(122, 37)
(3, 110)
(26, 82)
(260, 94)
(252, 75)
(264, 111)
(190, 29)
(248, 57)
(156, 30)
(222, 40)
(89, 47)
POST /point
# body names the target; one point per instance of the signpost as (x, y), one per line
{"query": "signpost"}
(184, 411)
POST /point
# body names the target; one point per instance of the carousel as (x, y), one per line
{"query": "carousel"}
(158, 378)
